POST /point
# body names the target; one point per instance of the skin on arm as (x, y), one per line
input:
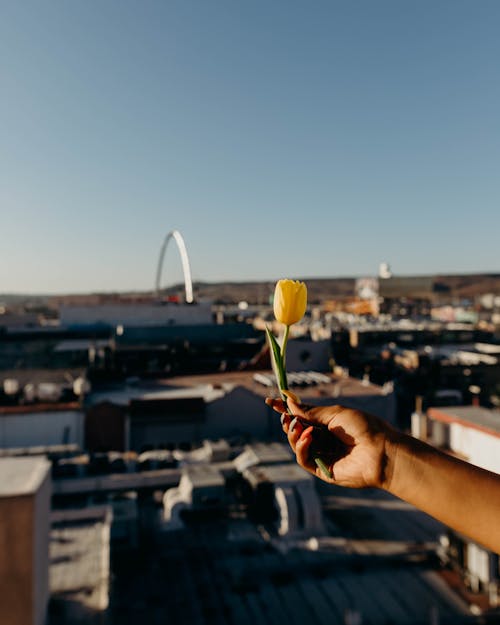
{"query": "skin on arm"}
(364, 451)
(457, 493)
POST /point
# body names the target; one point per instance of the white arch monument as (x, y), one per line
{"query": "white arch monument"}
(188, 284)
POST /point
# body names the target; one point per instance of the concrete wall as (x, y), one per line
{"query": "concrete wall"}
(304, 355)
(24, 545)
(135, 315)
(41, 531)
(480, 448)
(16, 563)
(157, 433)
(383, 406)
(239, 412)
(41, 428)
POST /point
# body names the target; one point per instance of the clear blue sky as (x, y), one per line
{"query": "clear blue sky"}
(282, 138)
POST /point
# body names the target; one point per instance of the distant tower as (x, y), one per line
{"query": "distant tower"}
(384, 271)
(188, 284)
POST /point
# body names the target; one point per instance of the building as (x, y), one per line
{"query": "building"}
(134, 314)
(41, 425)
(407, 295)
(242, 535)
(473, 434)
(212, 406)
(24, 540)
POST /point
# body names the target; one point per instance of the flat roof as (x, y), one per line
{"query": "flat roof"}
(212, 386)
(347, 391)
(22, 476)
(76, 345)
(203, 475)
(377, 556)
(334, 387)
(281, 474)
(45, 407)
(378, 561)
(475, 417)
(124, 395)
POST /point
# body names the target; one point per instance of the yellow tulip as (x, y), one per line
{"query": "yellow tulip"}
(290, 301)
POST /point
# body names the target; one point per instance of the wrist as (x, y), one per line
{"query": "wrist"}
(392, 443)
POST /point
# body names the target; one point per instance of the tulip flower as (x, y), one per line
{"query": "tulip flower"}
(290, 303)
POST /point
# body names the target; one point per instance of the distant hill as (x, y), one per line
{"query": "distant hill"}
(258, 292)
(320, 289)
(471, 285)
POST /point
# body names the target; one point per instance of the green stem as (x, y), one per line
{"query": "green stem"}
(319, 462)
(284, 381)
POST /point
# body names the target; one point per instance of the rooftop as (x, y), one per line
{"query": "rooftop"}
(376, 561)
(329, 386)
(474, 417)
(353, 393)
(22, 476)
(375, 555)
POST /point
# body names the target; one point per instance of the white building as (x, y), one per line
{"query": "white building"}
(137, 315)
(473, 434)
(26, 426)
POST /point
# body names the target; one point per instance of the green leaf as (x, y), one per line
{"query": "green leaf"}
(279, 370)
(275, 348)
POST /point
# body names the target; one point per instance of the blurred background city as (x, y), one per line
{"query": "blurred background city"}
(163, 165)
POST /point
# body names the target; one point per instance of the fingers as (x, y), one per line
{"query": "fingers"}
(293, 428)
(294, 431)
(276, 404)
(285, 421)
(299, 432)
(316, 415)
(280, 406)
(303, 451)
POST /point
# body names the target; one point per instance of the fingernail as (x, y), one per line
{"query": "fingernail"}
(293, 424)
(282, 418)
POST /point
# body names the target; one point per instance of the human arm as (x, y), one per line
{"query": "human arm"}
(367, 452)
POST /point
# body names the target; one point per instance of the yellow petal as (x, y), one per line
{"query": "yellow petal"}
(290, 301)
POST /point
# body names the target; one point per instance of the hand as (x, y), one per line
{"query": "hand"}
(351, 443)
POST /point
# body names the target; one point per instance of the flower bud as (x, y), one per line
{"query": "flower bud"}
(290, 301)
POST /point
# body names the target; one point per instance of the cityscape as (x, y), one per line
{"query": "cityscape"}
(249, 312)
(161, 487)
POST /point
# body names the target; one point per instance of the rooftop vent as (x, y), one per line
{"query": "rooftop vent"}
(298, 379)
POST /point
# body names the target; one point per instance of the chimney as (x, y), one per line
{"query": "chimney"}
(475, 391)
